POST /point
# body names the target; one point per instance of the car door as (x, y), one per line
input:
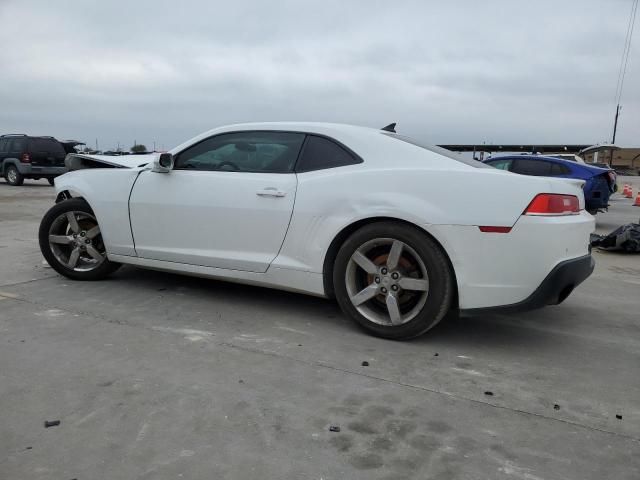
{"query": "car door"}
(226, 203)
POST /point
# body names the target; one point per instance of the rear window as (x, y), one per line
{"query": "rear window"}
(439, 150)
(46, 145)
(321, 153)
(536, 168)
(557, 169)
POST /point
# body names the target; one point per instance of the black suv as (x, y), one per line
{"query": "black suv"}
(24, 156)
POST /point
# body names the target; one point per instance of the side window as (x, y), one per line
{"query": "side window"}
(501, 164)
(16, 145)
(320, 153)
(557, 169)
(4, 144)
(539, 168)
(269, 152)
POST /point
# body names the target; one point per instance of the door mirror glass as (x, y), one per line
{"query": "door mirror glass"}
(164, 163)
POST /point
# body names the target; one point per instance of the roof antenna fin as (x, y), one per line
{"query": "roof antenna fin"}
(390, 128)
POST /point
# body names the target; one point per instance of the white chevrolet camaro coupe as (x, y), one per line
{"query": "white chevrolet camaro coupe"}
(397, 232)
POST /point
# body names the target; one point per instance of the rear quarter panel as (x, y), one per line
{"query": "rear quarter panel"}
(327, 201)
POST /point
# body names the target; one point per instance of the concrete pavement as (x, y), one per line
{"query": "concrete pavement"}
(156, 375)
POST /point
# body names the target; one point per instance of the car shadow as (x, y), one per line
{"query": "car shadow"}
(29, 183)
(511, 331)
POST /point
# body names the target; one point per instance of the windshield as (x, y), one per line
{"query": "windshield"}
(438, 150)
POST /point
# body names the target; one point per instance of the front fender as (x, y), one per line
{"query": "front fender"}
(107, 193)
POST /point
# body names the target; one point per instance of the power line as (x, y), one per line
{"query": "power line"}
(623, 64)
(625, 51)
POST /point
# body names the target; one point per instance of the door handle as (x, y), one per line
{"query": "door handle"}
(270, 192)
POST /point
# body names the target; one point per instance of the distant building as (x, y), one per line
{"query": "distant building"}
(620, 157)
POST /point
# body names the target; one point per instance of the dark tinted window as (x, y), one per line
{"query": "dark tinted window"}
(47, 145)
(500, 164)
(4, 144)
(16, 145)
(557, 169)
(439, 150)
(320, 153)
(269, 152)
(539, 168)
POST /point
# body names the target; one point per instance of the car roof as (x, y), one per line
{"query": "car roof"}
(570, 163)
(532, 157)
(379, 148)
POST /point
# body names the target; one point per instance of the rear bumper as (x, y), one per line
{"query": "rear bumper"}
(554, 289)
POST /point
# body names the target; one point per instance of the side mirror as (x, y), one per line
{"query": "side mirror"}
(163, 164)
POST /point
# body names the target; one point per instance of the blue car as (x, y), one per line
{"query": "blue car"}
(600, 182)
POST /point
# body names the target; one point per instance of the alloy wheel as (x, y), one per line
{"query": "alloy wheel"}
(76, 242)
(387, 281)
(12, 175)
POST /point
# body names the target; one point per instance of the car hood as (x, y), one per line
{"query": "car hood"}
(78, 161)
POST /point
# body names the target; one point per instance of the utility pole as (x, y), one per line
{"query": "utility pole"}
(615, 124)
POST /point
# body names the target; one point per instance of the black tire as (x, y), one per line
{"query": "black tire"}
(50, 180)
(441, 279)
(13, 176)
(78, 205)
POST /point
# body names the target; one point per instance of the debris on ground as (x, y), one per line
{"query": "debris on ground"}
(334, 428)
(51, 423)
(618, 416)
(435, 354)
(365, 364)
(625, 238)
(556, 407)
(488, 393)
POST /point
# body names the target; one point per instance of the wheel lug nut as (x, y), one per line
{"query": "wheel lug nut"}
(394, 288)
(87, 241)
(82, 234)
(384, 290)
(384, 271)
(377, 279)
(75, 236)
(395, 275)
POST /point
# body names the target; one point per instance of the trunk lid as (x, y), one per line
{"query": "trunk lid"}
(46, 152)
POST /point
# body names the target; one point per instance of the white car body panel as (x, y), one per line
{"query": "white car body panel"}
(213, 219)
(213, 224)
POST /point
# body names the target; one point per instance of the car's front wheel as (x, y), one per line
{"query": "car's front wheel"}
(393, 280)
(71, 241)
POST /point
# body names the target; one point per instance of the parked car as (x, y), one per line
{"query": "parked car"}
(24, 156)
(600, 183)
(365, 216)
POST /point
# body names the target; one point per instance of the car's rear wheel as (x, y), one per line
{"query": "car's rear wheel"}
(13, 176)
(393, 280)
(71, 241)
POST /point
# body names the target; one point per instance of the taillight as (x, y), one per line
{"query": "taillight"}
(25, 158)
(553, 204)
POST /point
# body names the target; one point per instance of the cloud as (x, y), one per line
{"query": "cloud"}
(161, 71)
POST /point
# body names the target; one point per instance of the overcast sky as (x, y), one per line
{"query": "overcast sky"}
(164, 71)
